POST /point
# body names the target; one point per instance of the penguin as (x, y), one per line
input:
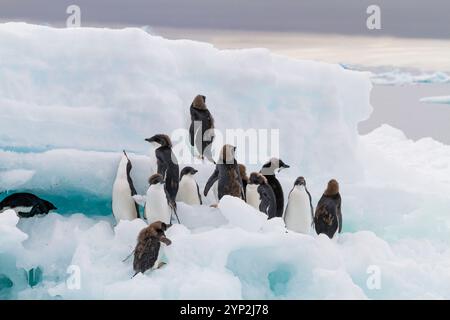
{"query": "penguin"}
(201, 130)
(167, 165)
(268, 170)
(260, 195)
(243, 173)
(26, 205)
(188, 191)
(328, 216)
(299, 214)
(156, 202)
(123, 205)
(147, 252)
(227, 175)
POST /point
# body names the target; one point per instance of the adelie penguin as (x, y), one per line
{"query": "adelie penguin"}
(123, 205)
(201, 130)
(227, 175)
(299, 213)
(260, 195)
(156, 202)
(167, 165)
(268, 170)
(188, 191)
(26, 205)
(328, 216)
(147, 254)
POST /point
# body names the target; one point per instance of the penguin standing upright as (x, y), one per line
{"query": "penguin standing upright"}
(188, 191)
(167, 165)
(268, 170)
(156, 202)
(328, 216)
(123, 205)
(227, 175)
(299, 213)
(26, 205)
(201, 130)
(260, 195)
(148, 248)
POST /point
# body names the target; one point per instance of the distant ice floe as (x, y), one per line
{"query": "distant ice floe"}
(436, 100)
(392, 76)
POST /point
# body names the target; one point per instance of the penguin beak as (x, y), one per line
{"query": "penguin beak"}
(195, 171)
(149, 140)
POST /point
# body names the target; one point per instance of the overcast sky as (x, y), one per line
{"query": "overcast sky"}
(404, 18)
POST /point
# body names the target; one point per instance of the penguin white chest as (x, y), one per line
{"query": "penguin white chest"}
(187, 191)
(156, 206)
(252, 196)
(298, 212)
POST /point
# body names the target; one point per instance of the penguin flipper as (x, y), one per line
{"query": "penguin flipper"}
(214, 177)
(199, 196)
(36, 210)
(140, 200)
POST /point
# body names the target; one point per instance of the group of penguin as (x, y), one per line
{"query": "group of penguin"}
(168, 185)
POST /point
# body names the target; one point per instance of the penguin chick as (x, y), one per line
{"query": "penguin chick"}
(201, 130)
(148, 246)
(328, 216)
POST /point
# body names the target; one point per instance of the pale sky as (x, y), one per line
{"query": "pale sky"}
(401, 18)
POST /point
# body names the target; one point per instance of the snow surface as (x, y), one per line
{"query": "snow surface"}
(69, 108)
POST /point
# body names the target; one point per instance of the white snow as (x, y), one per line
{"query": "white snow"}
(69, 108)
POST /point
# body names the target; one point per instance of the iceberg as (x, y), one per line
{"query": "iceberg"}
(69, 108)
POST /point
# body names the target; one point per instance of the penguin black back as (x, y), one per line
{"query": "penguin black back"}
(148, 246)
(267, 196)
(328, 216)
(268, 170)
(167, 164)
(227, 174)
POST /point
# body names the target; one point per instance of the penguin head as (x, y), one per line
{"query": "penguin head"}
(199, 102)
(332, 188)
(49, 205)
(156, 179)
(300, 181)
(154, 230)
(227, 156)
(272, 165)
(187, 171)
(160, 140)
(257, 178)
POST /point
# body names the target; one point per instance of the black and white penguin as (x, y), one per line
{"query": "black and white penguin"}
(328, 216)
(201, 130)
(147, 253)
(123, 205)
(188, 191)
(260, 195)
(156, 202)
(268, 170)
(299, 213)
(227, 175)
(167, 165)
(26, 205)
